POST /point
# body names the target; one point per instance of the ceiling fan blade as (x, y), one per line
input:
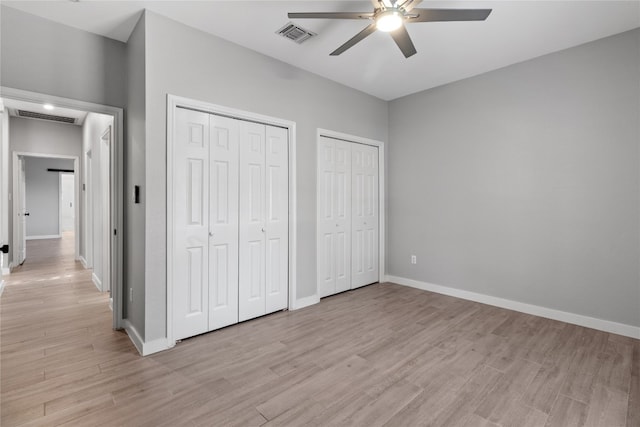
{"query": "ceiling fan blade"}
(332, 15)
(355, 39)
(435, 15)
(410, 4)
(402, 39)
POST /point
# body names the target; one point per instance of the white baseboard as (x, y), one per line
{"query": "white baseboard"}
(96, 281)
(305, 302)
(52, 236)
(6, 271)
(144, 348)
(536, 310)
(1, 287)
(83, 261)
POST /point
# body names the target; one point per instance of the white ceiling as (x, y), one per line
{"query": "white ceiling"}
(447, 51)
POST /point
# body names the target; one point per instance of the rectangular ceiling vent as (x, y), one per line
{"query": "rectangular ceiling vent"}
(49, 117)
(297, 34)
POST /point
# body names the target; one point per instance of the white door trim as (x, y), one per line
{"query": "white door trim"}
(381, 189)
(76, 165)
(117, 188)
(174, 102)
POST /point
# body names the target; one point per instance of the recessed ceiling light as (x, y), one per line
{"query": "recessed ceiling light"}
(48, 107)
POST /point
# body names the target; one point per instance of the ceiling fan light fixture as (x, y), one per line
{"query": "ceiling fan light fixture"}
(389, 21)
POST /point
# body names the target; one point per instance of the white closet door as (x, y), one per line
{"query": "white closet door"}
(252, 221)
(364, 259)
(334, 219)
(277, 219)
(191, 223)
(223, 219)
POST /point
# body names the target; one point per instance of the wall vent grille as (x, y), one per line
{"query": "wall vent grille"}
(295, 33)
(49, 117)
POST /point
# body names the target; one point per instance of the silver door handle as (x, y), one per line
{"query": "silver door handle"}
(211, 234)
(263, 229)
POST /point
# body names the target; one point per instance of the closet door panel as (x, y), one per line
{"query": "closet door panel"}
(365, 215)
(326, 218)
(334, 216)
(277, 218)
(191, 223)
(342, 215)
(252, 217)
(223, 220)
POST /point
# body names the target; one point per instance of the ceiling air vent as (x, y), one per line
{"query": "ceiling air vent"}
(295, 33)
(49, 117)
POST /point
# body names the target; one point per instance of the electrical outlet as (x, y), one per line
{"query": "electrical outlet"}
(414, 259)
(130, 294)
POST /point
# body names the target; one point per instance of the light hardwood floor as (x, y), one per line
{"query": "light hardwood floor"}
(381, 355)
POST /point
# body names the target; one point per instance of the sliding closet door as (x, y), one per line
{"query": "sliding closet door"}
(364, 220)
(223, 219)
(191, 223)
(277, 219)
(334, 219)
(252, 221)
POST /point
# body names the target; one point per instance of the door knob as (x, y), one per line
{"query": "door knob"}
(211, 234)
(263, 229)
(26, 214)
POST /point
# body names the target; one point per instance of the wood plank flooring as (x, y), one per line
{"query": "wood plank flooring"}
(383, 355)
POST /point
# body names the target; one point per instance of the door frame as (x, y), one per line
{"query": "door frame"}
(117, 175)
(381, 193)
(174, 102)
(15, 171)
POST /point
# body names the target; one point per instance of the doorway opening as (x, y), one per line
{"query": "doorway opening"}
(87, 197)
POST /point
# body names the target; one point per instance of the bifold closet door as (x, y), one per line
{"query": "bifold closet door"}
(191, 224)
(230, 221)
(263, 275)
(364, 218)
(334, 219)
(223, 220)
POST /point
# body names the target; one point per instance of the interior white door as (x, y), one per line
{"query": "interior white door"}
(334, 219)
(67, 209)
(277, 219)
(191, 223)
(223, 220)
(364, 218)
(252, 221)
(22, 213)
(105, 208)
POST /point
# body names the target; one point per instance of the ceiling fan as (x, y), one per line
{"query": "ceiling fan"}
(391, 16)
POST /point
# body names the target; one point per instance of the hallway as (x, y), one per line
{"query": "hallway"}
(55, 333)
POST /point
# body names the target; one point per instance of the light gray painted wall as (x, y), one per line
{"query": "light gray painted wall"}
(39, 55)
(94, 126)
(35, 136)
(523, 183)
(43, 195)
(134, 243)
(186, 62)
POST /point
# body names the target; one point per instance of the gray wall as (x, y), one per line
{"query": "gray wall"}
(186, 62)
(134, 244)
(35, 136)
(523, 183)
(39, 55)
(43, 195)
